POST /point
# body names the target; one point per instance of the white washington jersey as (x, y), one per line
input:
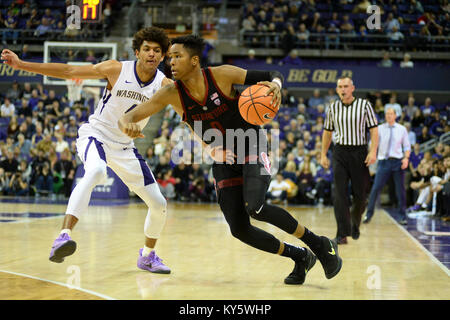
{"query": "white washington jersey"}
(125, 95)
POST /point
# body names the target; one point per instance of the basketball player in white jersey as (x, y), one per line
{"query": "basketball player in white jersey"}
(101, 143)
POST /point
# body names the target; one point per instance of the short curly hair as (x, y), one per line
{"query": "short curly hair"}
(152, 34)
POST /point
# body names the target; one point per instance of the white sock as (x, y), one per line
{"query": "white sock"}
(68, 231)
(146, 251)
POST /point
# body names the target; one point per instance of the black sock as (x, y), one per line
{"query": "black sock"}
(313, 241)
(294, 252)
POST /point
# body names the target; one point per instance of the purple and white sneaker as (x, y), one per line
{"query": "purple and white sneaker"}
(62, 247)
(414, 208)
(152, 263)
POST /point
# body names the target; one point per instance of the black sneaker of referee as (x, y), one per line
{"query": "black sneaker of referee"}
(301, 268)
(329, 258)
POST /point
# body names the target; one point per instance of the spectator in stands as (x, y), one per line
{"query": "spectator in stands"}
(347, 26)
(49, 16)
(90, 57)
(14, 92)
(161, 143)
(307, 170)
(395, 39)
(24, 111)
(406, 63)
(71, 128)
(308, 141)
(24, 145)
(44, 181)
(424, 136)
(361, 7)
(363, 34)
(415, 7)
(65, 168)
(330, 97)
(53, 110)
(322, 189)
(167, 184)
(291, 59)
(277, 191)
(9, 164)
(43, 29)
(34, 99)
(303, 36)
(182, 174)
(418, 120)
(410, 108)
(25, 54)
(18, 186)
(316, 99)
(4, 182)
(10, 21)
(27, 91)
(151, 159)
(411, 134)
(251, 57)
(386, 62)
(438, 153)
(60, 143)
(394, 105)
(437, 125)
(38, 136)
(427, 108)
(333, 39)
(391, 23)
(288, 39)
(7, 109)
(13, 127)
(34, 20)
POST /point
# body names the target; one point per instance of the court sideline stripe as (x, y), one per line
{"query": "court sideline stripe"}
(61, 284)
(427, 252)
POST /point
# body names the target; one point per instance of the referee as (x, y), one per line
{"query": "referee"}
(349, 117)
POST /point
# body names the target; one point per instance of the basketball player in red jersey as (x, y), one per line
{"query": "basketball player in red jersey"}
(207, 97)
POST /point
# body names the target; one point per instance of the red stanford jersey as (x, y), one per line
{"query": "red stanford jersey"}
(217, 111)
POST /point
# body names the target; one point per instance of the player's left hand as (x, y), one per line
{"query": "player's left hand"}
(275, 89)
(370, 159)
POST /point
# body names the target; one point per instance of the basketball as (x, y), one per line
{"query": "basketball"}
(255, 107)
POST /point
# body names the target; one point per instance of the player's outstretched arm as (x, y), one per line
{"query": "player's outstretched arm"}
(103, 70)
(128, 123)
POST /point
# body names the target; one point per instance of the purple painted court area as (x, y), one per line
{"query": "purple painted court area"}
(438, 245)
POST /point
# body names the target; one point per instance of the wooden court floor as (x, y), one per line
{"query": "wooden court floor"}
(206, 261)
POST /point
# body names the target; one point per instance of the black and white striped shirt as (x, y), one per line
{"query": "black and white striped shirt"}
(350, 121)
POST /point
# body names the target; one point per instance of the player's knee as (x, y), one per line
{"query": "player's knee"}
(239, 232)
(254, 209)
(96, 175)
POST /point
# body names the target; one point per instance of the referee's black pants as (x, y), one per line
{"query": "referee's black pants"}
(348, 166)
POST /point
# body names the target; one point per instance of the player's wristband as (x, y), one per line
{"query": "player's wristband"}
(278, 82)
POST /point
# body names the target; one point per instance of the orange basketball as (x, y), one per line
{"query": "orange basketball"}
(255, 107)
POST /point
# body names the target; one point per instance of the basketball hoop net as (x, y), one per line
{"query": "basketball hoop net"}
(74, 88)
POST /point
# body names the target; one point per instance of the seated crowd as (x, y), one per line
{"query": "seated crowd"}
(408, 24)
(35, 21)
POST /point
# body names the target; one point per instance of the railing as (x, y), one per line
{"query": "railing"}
(27, 36)
(325, 41)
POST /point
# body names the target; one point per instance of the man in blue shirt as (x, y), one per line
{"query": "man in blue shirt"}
(393, 157)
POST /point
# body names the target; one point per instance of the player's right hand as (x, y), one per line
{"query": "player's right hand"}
(221, 155)
(324, 162)
(10, 58)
